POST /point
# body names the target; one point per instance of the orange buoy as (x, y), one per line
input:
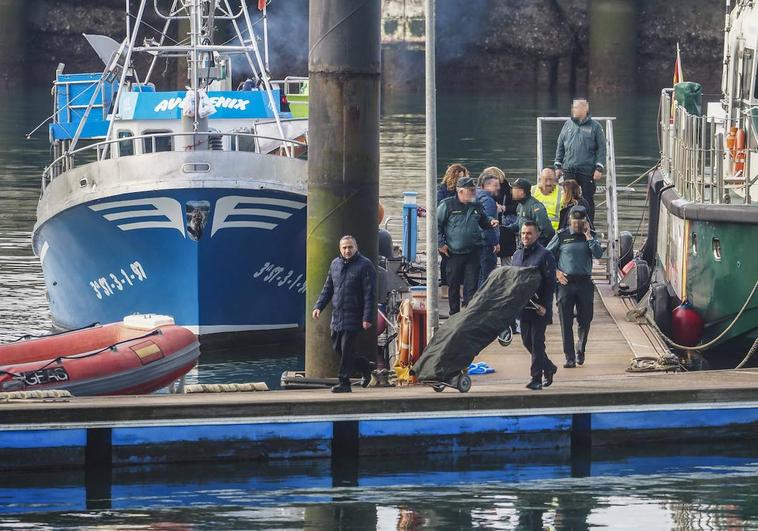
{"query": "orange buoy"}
(730, 140)
(405, 326)
(739, 158)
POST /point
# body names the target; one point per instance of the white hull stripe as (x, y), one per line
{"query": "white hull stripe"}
(237, 205)
(164, 207)
(43, 252)
(221, 329)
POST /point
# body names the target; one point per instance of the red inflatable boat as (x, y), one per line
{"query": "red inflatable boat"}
(141, 355)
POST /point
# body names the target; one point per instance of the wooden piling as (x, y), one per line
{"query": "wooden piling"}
(343, 160)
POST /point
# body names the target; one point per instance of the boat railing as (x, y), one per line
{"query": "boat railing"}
(696, 159)
(206, 140)
(611, 190)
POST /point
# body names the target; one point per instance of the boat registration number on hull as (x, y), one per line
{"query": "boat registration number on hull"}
(45, 376)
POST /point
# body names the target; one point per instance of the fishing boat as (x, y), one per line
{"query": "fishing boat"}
(704, 204)
(140, 355)
(185, 200)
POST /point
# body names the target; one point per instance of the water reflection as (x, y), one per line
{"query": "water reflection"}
(670, 488)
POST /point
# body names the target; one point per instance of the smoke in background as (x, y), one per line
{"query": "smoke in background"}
(287, 37)
(461, 25)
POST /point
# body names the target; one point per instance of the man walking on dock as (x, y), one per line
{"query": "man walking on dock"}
(580, 153)
(539, 312)
(460, 221)
(351, 287)
(574, 248)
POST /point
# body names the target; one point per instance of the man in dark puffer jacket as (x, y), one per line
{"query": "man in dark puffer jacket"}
(351, 287)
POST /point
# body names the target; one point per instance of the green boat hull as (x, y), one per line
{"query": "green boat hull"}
(709, 256)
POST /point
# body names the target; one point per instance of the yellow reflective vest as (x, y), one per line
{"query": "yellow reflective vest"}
(552, 203)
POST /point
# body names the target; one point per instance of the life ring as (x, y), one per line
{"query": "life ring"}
(404, 336)
(739, 158)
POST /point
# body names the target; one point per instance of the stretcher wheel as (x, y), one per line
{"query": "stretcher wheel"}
(438, 388)
(464, 383)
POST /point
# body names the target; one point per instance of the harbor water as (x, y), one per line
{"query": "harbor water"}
(639, 488)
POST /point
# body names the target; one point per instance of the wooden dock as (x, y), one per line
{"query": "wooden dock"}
(593, 405)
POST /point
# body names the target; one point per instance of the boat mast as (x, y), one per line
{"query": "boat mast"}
(125, 69)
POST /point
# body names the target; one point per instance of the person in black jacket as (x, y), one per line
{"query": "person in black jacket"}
(351, 287)
(538, 314)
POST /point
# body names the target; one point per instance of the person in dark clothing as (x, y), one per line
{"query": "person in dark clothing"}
(574, 248)
(450, 180)
(506, 208)
(580, 153)
(489, 186)
(571, 197)
(537, 315)
(460, 221)
(529, 209)
(351, 287)
(447, 189)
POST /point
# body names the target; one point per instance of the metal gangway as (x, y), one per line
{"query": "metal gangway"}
(611, 235)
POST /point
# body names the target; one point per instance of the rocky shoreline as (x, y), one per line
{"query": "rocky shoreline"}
(498, 44)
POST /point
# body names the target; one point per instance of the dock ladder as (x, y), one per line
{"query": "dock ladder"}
(611, 237)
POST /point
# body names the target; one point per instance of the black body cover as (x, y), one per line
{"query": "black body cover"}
(498, 302)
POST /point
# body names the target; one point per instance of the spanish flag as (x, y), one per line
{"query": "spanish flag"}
(678, 74)
(678, 78)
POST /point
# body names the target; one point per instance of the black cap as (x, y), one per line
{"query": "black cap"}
(522, 183)
(578, 212)
(465, 182)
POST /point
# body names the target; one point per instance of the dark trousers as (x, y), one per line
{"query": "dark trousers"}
(344, 343)
(577, 296)
(587, 183)
(533, 337)
(487, 264)
(462, 269)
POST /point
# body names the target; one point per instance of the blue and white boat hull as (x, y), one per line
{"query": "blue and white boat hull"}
(220, 255)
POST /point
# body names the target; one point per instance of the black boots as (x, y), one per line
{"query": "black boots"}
(535, 385)
(366, 373)
(549, 373)
(343, 387)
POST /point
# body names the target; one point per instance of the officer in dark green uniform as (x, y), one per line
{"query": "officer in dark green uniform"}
(574, 248)
(460, 220)
(529, 209)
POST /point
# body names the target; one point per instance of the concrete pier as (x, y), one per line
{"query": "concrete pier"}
(595, 406)
(343, 163)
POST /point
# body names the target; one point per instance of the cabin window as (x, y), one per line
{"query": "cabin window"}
(694, 244)
(125, 147)
(154, 144)
(716, 249)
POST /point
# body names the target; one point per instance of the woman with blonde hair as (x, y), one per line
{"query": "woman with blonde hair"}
(447, 187)
(571, 197)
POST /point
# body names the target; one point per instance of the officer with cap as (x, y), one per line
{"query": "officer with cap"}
(574, 248)
(460, 221)
(529, 209)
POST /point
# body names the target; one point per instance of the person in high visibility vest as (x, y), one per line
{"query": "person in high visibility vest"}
(547, 193)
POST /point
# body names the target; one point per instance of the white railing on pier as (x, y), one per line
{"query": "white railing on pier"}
(611, 190)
